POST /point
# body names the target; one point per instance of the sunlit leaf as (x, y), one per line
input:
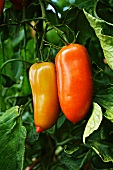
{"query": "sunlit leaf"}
(70, 150)
(109, 114)
(104, 150)
(106, 40)
(94, 121)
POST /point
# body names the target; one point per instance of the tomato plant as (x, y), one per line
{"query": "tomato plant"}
(74, 81)
(36, 32)
(45, 98)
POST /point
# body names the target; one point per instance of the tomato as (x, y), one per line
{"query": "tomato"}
(42, 78)
(18, 3)
(1, 5)
(74, 81)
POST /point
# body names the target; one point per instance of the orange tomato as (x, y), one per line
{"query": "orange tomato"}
(42, 78)
(74, 81)
(1, 5)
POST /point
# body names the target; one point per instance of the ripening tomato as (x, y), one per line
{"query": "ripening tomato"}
(74, 81)
(42, 78)
(1, 5)
(18, 3)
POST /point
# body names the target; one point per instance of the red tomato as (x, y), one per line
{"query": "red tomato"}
(74, 81)
(1, 5)
(18, 3)
(42, 78)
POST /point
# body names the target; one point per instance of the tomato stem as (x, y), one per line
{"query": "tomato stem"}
(51, 45)
(48, 55)
(59, 32)
(74, 39)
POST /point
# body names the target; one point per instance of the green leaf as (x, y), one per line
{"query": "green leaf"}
(94, 121)
(87, 157)
(26, 88)
(52, 33)
(86, 32)
(70, 163)
(100, 26)
(30, 56)
(72, 16)
(16, 66)
(52, 17)
(6, 80)
(104, 150)
(100, 165)
(109, 114)
(18, 38)
(2, 102)
(61, 121)
(56, 167)
(71, 150)
(104, 96)
(12, 140)
(84, 4)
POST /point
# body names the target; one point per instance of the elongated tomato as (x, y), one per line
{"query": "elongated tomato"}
(42, 78)
(74, 81)
(1, 5)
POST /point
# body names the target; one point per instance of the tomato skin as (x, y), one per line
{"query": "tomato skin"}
(1, 5)
(18, 3)
(74, 81)
(43, 82)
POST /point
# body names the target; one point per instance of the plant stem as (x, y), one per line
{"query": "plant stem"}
(25, 43)
(65, 141)
(95, 6)
(25, 106)
(59, 32)
(44, 29)
(12, 60)
(25, 34)
(42, 43)
(24, 9)
(43, 9)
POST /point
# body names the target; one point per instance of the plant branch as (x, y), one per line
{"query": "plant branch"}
(65, 141)
(25, 106)
(12, 60)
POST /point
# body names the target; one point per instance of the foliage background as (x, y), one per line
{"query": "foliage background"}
(87, 145)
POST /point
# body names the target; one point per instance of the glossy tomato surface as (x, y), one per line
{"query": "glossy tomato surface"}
(1, 5)
(18, 3)
(74, 81)
(45, 96)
